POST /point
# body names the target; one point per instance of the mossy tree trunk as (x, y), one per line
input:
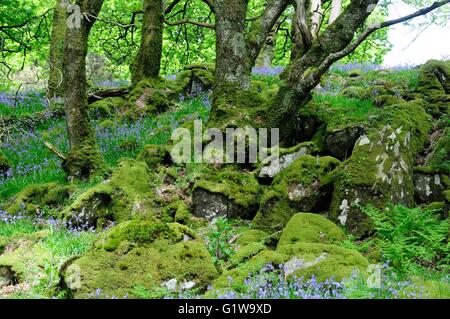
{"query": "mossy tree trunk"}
(84, 160)
(237, 49)
(148, 60)
(55, 84)
(304, 71)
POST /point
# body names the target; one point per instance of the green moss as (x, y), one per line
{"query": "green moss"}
(310, 228)
(106, 108)
(193, 75)
(447, 195)
(246, 252)
(141, 253)
(153, 155)
(127, 193)
(428, 83)
(305, 185)
(237, 108)
(323, 261)
(36, 198)
(440, 158)
(107, 124)
(84, 162)
(379, 171)
(252, 236)
(233, 279)
(182, 214)
(242, 188)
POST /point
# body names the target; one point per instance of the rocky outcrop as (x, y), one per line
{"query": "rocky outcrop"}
(141, 256)
(380, 171)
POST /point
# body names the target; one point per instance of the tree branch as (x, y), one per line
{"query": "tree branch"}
(350, 48)
(189, 21)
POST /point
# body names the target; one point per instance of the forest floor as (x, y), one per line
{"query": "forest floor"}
(37, 249)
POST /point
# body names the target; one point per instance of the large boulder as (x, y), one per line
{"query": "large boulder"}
(272, 166)
(340, 142)
(305, 185)
(309, 246)
(380, 170)
(138, 256)
(34, 198)
(127, 193)
(226, 193)
(310, 228)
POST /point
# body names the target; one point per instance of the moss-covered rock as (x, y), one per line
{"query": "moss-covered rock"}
(107, 107)
(439, 156)
(306, 260)
(84, 162)
(4, 166)
(153, 155)
(428, 186)
(226, 193)
(125, 194)
(305, 185)
(272, 166)
(380, 169)
(434, 78)
(196, 78)
(322, 261)
(434, 85)
(310, 228)
(37, 198)
(340, 142)
(140, 254)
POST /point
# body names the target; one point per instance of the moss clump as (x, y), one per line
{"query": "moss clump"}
(125, 194)
(323, 261)
(84, 162)
(106, 108)
(246, 252)
(153, 155)
(310, 228)
(440, 157)
(380, 169)
(434, 78)
(107, 124)
(4, 166)
(239, 190)
(237, 108)
(305, 185)
(141, 253)
(252, 236)
(35, 198)
(196, 78)
(300, 259)
(182, 214)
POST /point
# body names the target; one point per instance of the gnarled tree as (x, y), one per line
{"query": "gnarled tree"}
(304, 72)
(84, 160)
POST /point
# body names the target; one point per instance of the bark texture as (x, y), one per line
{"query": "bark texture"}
(148, 60)
(55, 83)
(84, 160)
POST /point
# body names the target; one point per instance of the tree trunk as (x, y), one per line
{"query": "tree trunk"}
(55, 86)
(267, 54)
(233, 69)
(84, 160)
(148, 60)
(304, 72)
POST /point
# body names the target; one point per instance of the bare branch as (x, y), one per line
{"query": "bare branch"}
(189, 21)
